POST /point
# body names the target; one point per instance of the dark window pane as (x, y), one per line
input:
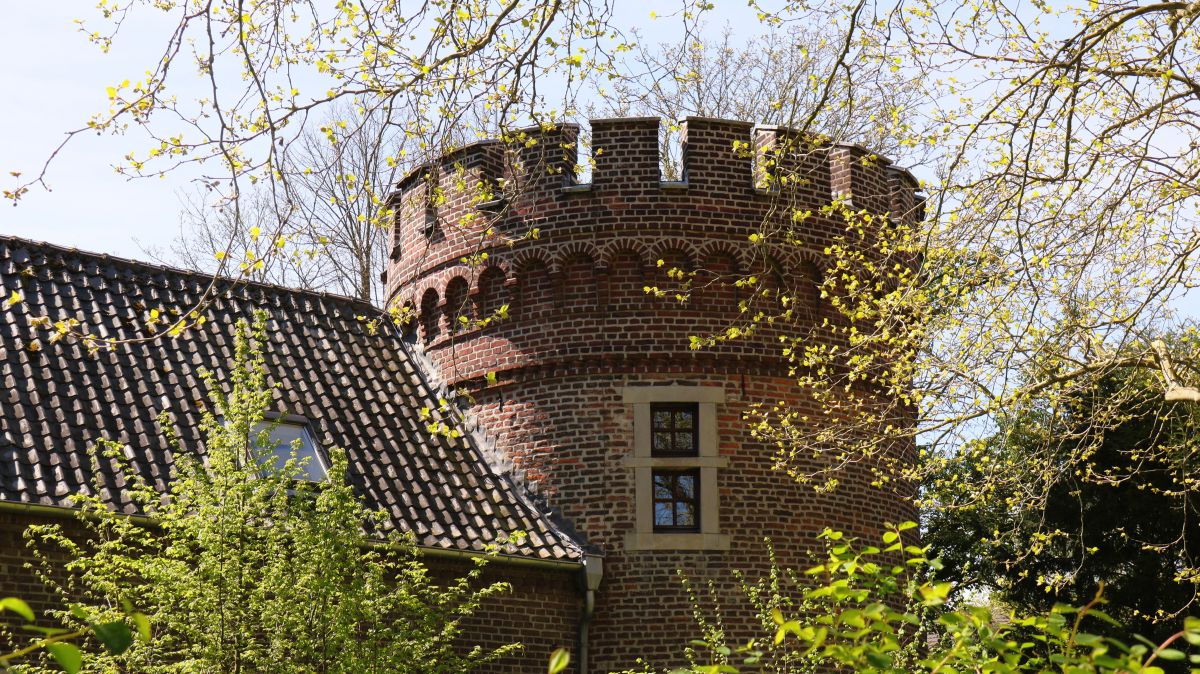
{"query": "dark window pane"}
(662, 442)
(685, 487)
(676, 499)
(673, 429)
(663, 488)
(685, 515)
(684, 443)
(663, 515)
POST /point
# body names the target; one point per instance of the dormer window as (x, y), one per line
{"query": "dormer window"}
(286, 437)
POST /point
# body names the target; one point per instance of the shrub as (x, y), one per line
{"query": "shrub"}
(243, 567)
(873, 610)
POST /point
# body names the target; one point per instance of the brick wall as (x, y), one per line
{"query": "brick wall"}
(541, 612)
(15, 579)
(582, 328)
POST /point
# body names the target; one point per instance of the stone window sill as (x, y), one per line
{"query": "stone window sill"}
(652, 541)
(676, 462)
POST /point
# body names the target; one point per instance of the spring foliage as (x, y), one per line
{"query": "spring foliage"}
(57, 643)
(1100, 522)
(243, 567)
(873, 609)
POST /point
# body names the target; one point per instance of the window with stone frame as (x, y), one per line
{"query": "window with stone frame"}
(675, 464)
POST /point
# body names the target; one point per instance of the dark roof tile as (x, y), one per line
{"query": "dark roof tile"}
(360, 391)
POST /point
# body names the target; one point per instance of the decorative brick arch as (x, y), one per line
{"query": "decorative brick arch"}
(457, 304)
(491, 291)
(578, 280)
(534, 287)
(625, 276)
(724, 250)
(675, 254)
(807, 281)
(681, 250)
(431, 318)
(715, 284)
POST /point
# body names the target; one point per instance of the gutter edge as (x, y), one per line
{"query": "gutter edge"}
(65, 512)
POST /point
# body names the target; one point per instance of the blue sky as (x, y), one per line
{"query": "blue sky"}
(55, 80)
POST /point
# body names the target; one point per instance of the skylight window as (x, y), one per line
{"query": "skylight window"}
(285, 436)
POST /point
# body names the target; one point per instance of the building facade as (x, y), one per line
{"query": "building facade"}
(589, 422)
(585, 388)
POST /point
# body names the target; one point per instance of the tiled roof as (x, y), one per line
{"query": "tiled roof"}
(359, 391)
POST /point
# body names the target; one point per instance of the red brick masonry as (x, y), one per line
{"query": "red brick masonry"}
(581, 328)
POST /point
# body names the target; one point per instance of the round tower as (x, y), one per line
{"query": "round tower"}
(588, 385)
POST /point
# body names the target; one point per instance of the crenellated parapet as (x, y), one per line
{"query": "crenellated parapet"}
(509, 224)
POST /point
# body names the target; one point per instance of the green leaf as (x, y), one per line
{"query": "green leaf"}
(67, 656)
(115, 636)
(879, 660)
(17, 606)
(1086, 639)
(48, 631)
(559, 660)
(143, 625)
(1102, 616)
(1191, 627)
(1171, 654)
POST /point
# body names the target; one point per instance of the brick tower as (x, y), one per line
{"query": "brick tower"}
(595, 402)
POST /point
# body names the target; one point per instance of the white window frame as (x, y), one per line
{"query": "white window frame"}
(642, 463)
(282, 450)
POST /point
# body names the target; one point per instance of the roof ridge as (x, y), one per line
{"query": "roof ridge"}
(144, 266)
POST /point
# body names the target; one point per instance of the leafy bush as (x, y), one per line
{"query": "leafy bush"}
(243, 567)
(871, 609)
(55, 642)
